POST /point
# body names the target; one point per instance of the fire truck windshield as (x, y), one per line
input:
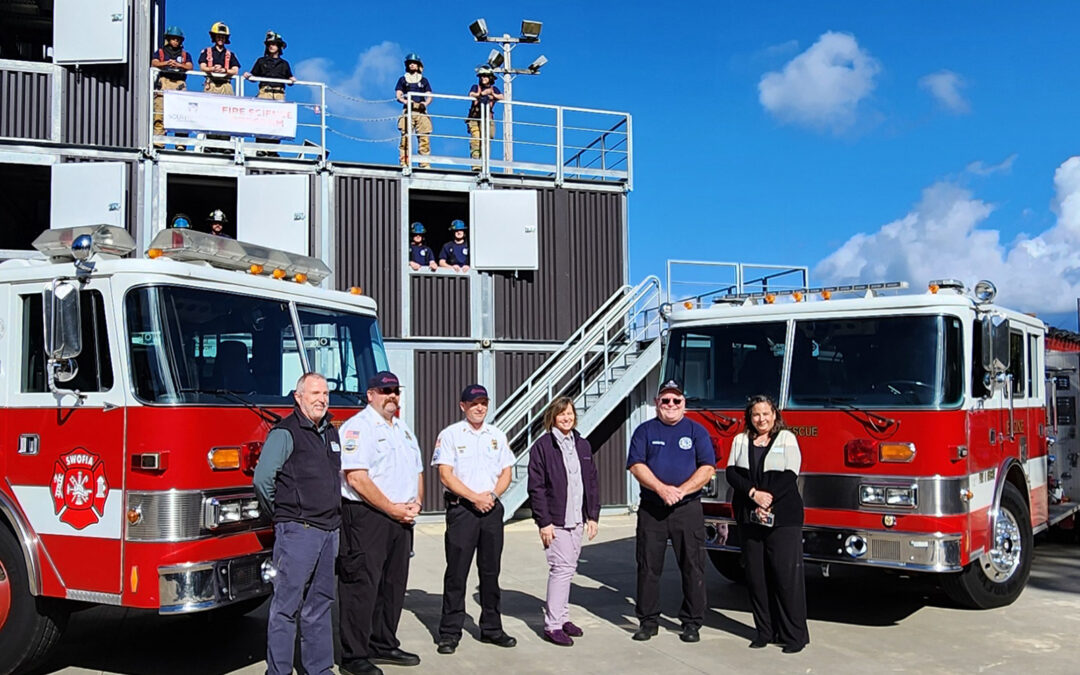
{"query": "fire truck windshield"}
(882, 362)
(198, 346)
(856, 362)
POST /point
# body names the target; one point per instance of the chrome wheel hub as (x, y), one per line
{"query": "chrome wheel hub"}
(1004, 558)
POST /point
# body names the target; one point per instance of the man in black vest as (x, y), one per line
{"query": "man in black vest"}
(297, 480)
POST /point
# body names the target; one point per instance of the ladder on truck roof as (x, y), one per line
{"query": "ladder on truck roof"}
(598, 366)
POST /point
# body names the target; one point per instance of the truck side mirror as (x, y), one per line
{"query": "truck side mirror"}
(994, 344)
(63, 322)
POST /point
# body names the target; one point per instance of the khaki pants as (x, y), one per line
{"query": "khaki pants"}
(212, 86)
(270, 94)
(474, 131)
(421, 126)
(159, 107)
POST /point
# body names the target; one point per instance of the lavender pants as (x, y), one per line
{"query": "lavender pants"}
(562, 558)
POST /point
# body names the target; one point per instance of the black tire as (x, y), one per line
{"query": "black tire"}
(1000, 576)
(31, 625)
(729, 563)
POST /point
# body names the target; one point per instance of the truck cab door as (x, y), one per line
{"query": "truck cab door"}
(68, 473)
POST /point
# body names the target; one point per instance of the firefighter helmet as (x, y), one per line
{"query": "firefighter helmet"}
(174, 31)
(413, 57)
(485, 69)
(217, 216)
(219, 28)
(180, 221)
(417, 228)
(274, 38)
(457, 225)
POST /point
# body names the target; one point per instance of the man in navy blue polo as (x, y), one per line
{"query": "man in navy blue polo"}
(455, 253)
(672, 458)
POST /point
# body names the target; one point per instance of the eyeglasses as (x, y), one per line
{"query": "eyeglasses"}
(386, 391)
(671, 401)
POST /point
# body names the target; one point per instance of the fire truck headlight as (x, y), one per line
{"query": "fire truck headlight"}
(873, 495)
(900, 496)
(219, 511)
(985, 291)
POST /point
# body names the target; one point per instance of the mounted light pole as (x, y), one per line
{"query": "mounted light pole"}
(499, 60)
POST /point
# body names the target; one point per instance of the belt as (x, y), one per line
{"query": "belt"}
(272, 87)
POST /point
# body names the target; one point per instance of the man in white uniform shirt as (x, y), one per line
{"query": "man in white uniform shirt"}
(474, 463)
(382, 488)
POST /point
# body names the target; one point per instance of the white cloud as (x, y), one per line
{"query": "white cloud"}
(821, 87)
(980, 168)
(945, 87)
(364, 94)
(942, 237)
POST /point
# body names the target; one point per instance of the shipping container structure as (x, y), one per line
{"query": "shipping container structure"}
(546, 309)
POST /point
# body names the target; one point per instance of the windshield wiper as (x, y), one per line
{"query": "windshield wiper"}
(878, 423)
(268, 416)
(721, 421)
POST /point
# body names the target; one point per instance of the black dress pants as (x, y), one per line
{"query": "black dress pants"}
(373, 571)
(775, 577)
(684, 525)
(467, 532)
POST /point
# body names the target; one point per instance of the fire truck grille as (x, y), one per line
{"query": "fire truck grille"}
(245, 577)
(885, 549)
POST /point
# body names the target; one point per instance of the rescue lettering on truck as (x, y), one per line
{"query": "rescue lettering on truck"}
(921, 419)
(137, 394)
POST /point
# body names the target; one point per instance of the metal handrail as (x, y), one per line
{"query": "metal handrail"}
(615, 319)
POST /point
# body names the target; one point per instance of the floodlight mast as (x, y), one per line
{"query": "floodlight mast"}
(501, 65)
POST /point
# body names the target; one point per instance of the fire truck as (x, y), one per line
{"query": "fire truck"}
(135, 397)
(921, 418)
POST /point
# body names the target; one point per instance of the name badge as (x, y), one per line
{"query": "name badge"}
(334, 446)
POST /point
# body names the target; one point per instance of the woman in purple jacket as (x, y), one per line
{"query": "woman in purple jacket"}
(565, 495)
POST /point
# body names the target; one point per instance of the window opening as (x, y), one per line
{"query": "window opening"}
(436, 210)
(25, 212)
(196, 196)
(94, 363)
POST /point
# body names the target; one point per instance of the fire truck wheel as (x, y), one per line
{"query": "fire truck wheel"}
(29, 626)
(999, 577)
(729, 564)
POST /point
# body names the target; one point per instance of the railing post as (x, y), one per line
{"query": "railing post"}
(559, 150)
(322, 120)
(629, 154)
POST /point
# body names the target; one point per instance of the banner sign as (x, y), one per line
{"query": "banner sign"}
(233, 115)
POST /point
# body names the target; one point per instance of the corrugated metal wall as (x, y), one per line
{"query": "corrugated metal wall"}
(99, 100)
(609, 442)
(439, 378)
(367, 221)
(581, 265)
(440, 305)
(25, 104)
(512, 368)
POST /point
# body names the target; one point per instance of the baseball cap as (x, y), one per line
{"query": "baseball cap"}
(473, 392)
(383, 378)
(670, 385)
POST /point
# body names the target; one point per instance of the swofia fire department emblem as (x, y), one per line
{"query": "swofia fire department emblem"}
(79, 488)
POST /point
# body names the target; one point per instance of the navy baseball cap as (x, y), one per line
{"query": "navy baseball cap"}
(473, 392)
(670, 385)
(382, 379)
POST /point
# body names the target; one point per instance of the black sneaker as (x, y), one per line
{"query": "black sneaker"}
(499, 640)
(690, 634)
(646, 632)
(396, 657)
(447, 646)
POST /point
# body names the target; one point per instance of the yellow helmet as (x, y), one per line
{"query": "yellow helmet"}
(219, 28)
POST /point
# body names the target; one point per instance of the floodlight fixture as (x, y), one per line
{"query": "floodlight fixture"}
(479, 30)
(539, 63)
(495, 58)
(530, 30)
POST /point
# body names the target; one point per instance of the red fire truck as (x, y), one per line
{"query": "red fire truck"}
(135, 396)
(921, 418)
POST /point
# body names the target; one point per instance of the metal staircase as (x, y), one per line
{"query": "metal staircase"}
(598, 367)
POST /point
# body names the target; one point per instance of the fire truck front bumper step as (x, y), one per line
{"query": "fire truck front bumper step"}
(196, 587)
(915, 551)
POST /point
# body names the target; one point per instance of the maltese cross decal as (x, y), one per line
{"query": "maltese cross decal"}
(79, 488)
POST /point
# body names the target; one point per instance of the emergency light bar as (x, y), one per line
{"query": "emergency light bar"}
(106, 239)
(799, 294)
(191, 246)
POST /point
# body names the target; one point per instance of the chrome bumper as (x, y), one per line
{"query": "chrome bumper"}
(915, 551)
(196, 587)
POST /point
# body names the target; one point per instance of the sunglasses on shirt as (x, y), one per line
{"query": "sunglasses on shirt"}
(667, 400)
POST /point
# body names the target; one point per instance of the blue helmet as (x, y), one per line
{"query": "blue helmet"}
(181, 221)
(417, 228)
(457, 225)
(174, 31)
(413, 57)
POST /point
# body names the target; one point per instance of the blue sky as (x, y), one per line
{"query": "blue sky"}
(867, 141)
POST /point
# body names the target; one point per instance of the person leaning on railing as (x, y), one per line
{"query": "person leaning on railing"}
(173, 64)
(484, 93)
(220, 65)
(271, 65)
